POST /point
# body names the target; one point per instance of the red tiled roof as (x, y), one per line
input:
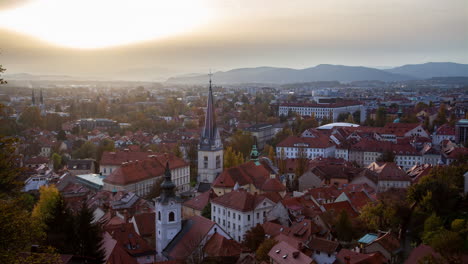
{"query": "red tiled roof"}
(219, 246)
(323, 245)
(292, 241)
(239, 200)
(115, 252)
(283, 253)
(136, 171)
(360, 258)
(388, 171)
(322, 141)
(358, 199)
(133, 243)
(200, 226)
(387, 241)
(337, 207)
(119, 157)
(273, 185)
(247, 173)
(274, 229)
(200, 201)
(446, 129)
(304, 229)
(145, 223)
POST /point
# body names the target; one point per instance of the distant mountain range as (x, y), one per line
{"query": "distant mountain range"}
(327, 72)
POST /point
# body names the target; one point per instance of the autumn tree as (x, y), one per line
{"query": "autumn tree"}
(387, 156)
(254, 237)
(206, 212)
(10, 185)
(381, 117)
(232, 158)
(261, 253)
(31, 117)
(57, 160)
(87, 150)
(106, 145)
(155, 190)
(241, 142)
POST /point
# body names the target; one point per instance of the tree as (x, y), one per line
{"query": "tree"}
(155, 190)
(206, 212)
(301, 166)
(59, 230)
(357, 117)
(387, 156)
(308, 123)
(342, 117)
(61, 135)
(232, 158)
(262, 252)
(441, 116)
(17, 230)
(177, 151)
(87, 150)
(9, 172)
(105, 145)
(343, 227)
(31, 117)
(242, 142)
(57, 159)
(381, 117)
(44, 208)
(88, 236)
(254, 237)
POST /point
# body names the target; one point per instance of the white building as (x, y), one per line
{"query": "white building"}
(322, 111)
(238, 211)
(312, 147)
(390, 176)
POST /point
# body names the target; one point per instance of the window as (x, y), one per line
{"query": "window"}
(205, 162)
(229, 213)
(171, 217)
(218, 162)
(234, 216)
(258, 215)
(248, 217)
(264, 213)
(159, 216)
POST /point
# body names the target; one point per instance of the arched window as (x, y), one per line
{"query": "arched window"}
(159, 216)
(171, 217)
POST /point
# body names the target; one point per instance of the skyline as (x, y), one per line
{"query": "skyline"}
(237, 34)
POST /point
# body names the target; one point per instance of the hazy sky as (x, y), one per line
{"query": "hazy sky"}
(153, 38)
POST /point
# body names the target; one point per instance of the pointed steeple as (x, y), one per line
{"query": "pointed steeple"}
(33, 98)
(167, 186)
(210, 138)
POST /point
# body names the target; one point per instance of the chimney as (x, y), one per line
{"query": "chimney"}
(295, 254)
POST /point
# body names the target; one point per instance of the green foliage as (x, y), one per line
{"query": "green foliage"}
(254, 237)
(87, 150)
(61, 135)
(17, 230)
(458, 225)
(381, 117)
(282, 135)
(206, 212)
(88, 235)
(44, 208)
(9, 172)
(342, 117)
(57, 159)
(262, 252)
(343, 227)
(357, 117)
(241, 142)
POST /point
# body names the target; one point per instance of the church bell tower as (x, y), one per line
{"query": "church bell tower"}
(168, 214)
(210, 148)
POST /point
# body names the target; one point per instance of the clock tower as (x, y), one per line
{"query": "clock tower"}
(210, 148)
(168, 214)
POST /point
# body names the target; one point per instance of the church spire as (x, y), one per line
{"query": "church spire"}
(210, 136)
(167, 186)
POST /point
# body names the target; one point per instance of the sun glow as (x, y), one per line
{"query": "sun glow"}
(89, 24)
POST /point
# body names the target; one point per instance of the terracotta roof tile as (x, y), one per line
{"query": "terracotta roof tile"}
(360, 258)
(337, 207)
(323, 245)
(200, 201)
(219, 246)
